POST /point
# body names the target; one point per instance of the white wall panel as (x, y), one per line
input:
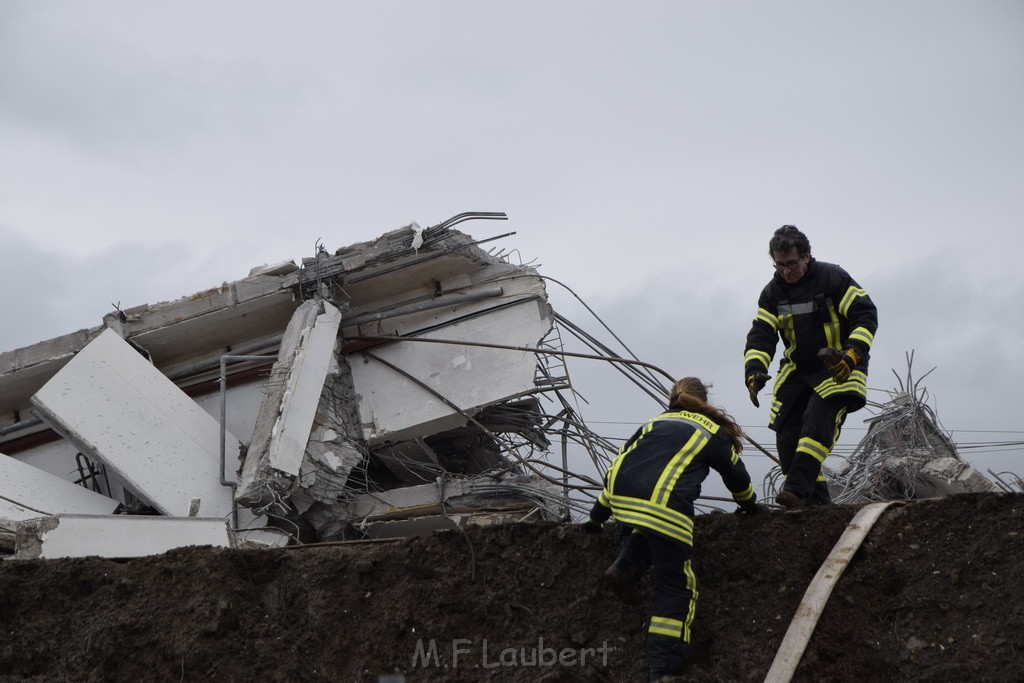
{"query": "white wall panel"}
(395, 408)
(117, 408)
(129, 536)
(28, 487)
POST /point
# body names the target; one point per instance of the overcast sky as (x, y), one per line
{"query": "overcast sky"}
(644, 152)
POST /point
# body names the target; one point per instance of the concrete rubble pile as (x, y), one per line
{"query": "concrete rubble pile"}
(904, 455)
(384, 389)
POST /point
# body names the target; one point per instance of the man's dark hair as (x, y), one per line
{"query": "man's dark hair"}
(787, 237)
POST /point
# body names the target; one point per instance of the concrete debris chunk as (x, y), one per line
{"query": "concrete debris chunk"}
(111, 535)
(905, 454)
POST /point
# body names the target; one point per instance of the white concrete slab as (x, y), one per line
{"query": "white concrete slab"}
(314, 359)
(10, 509)
(394, 408)
(34, 491)
(119, 535)
(119, 409)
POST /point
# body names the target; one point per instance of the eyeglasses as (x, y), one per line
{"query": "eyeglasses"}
(787, 265)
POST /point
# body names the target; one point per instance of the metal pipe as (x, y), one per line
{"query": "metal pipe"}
(468, 216)
(18, 426)
(245, 349)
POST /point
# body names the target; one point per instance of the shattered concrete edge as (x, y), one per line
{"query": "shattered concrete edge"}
(29, 535)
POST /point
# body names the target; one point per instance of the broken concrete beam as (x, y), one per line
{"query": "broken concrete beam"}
(300, 438)
(422, 304)
(311, 365)
(29, 491)
(474, 494)
(420, 525)
(114, 535)
(119, 409)
(23, 371)
(948, 476)
(279, 268)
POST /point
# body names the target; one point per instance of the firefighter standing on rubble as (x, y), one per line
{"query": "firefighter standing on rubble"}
(650, 488)
(827, 322)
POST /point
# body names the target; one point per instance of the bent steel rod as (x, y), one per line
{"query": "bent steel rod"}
(511, 451)
(507, 347)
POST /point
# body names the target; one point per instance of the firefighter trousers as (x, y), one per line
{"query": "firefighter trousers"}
(804, 437)
(673, 597)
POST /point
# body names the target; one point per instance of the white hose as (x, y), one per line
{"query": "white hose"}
(816, 596)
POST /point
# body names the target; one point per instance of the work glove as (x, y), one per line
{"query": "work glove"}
(840, 365)
(755, 383)
(749, 509)
(591, 526)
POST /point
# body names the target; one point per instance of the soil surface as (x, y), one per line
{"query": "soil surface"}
(934, 594)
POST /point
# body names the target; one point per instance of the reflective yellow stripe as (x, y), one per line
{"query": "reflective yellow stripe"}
(856, 384)
(815, 449)
(663, 626)
(655, 525)
(776, 406)
(644, 432)
(766, 316)
(840, 414)
(852, 294)
(691, 583)
(744, 495)
(863, 335)
(699, 421)
(676, 466)
(613, 472)
(784, 374)
(759, 356)
(646, 508)
(832, 337)
(674, 628)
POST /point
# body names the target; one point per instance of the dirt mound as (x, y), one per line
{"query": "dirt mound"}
(933, 594)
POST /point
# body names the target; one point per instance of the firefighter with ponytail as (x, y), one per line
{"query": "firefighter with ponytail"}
(650, 489)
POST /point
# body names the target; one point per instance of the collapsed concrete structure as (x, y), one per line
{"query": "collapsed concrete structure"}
(389, 387)
(904, 455)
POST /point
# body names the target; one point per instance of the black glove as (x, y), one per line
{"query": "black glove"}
(755, 383)
(749, 509)
(840, 365)
(591, 526)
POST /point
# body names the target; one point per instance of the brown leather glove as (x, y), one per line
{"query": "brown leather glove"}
(755, 383)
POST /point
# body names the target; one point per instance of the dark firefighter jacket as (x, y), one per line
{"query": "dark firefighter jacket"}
(826, 308)
(657, 474)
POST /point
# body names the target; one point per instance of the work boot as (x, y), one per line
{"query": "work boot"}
(623, 583)
(789, 500)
